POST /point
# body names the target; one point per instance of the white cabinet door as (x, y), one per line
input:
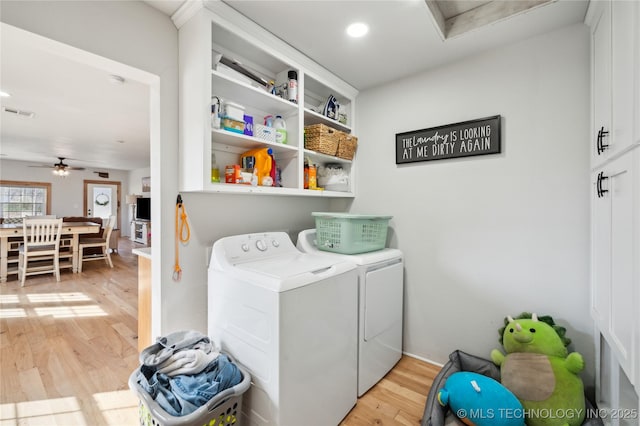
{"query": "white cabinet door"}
(636, 74)
(623, 40)
(613, 285)
(601, 66)
(600, 254)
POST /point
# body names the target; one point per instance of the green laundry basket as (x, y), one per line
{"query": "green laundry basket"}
(350, 233)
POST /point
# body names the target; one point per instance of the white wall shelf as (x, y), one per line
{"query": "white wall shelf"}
(269, 190)
(243, 143)
(312, 117)
(324, 158)
(218, 29)
(245, 94)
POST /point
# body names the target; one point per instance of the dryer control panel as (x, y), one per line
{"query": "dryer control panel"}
(251, 247)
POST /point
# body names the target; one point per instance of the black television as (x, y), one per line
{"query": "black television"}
(143, 208)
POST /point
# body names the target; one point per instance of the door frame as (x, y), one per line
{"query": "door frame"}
(85, 196)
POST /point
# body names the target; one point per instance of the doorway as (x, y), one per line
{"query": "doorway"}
(129, 73)
(102, 199)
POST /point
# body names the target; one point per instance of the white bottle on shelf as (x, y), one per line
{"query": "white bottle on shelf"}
(281, 129)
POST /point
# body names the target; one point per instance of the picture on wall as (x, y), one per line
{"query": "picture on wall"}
(146, 184)
(464, 139)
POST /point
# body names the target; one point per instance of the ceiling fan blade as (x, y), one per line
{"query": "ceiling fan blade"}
(61, 165)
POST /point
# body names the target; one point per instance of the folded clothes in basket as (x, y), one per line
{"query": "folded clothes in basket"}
(183, 371)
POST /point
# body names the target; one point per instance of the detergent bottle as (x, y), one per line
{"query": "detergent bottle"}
(281, 129)
(263, 160)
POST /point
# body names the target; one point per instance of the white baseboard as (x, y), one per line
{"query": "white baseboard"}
(423, 359)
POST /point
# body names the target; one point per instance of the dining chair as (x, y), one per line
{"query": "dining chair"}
(100, 242)
(41, 244)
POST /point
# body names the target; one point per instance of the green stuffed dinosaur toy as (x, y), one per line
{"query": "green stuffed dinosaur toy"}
(540, 372)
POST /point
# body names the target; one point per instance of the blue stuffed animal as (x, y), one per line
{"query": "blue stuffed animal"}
(479, 400)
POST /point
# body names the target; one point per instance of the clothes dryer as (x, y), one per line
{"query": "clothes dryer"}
(380, 307)
(291, 319)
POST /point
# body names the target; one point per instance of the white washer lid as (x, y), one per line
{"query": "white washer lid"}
(283, 267)
(283, 273)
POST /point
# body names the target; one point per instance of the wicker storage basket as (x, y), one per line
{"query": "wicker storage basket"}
(347, 146)
(321, 138)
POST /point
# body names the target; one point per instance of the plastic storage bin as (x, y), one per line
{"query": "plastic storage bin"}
(350, 233)
(224, 409)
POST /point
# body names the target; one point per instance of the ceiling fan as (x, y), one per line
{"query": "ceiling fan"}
(60, 168)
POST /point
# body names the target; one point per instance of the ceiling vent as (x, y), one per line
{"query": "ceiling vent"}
(19, 113)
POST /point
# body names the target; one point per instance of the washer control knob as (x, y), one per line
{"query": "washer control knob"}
(244, 247)
(275, 243)
(261, 245)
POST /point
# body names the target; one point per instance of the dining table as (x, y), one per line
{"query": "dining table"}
(11, 237)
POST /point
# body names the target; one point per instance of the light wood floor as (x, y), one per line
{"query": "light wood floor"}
(398, 399)
(67, 349)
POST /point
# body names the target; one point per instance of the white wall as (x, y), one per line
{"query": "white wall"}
(67, 194)
(135, 181)
(491, 235)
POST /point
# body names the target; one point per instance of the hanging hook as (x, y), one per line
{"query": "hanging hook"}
(183, 234)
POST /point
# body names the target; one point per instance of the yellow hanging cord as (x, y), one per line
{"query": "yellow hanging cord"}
(183, 233)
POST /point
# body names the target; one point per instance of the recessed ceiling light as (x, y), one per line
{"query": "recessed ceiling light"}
(4, 94)
(116, 79)
(357, 29)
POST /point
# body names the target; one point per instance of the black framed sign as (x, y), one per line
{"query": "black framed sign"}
(465, 139)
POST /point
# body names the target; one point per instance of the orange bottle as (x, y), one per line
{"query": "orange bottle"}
(306, 176)
(262, 163)
(313, 182)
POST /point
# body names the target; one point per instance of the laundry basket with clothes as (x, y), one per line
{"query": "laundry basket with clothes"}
(184, 379)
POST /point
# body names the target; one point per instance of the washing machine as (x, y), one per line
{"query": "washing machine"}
(291, 319)
(380, 307)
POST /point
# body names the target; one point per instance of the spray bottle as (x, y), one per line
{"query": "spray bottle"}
(292, 86)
